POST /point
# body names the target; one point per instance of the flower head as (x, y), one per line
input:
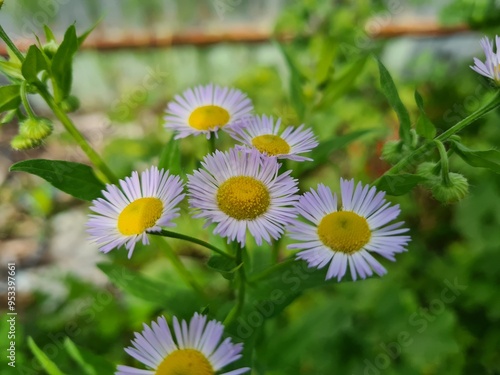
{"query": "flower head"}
(491, 67)
(240, 191)
(144, 204)
(191, 349)
(347, 236)
(206, 109)
(262, 133)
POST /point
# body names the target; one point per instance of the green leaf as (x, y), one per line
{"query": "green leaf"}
(62, 62)
(11, 69)
(75, 179)
(170, 157)
(87, 32)
(399, 184)
(296, 82)
(9, 97)
(8, 116)
(340, 85)
(223, 265)
(323, 151)
(33, 64)
(325, 62)
(391, 93)
(49, 35)
(425, 128)
(44, 360)
(90, 363)
(483, 159)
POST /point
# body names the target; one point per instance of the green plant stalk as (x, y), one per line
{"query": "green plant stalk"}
(166, 233)
(445, 165)
(179, 266)
(404, 163)
(77, 136)
(24, 100)
(11, 44)
(240, 303)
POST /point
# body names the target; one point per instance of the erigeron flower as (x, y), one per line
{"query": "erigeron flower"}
(491, 67)
(192, 349)
(350, 235)
(263, 134)
(239, 191)
(144, 204)
(205, 110)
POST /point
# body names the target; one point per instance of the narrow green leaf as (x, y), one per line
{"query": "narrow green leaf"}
(87, 32)
(9, 97)
(399, 184)
(49, 35)
(33, 64)
(8, 116)
(75, 179)
(223, 265)
(425, 128)
(339, 86)
(44, 360)
(11, 70)
(62, 62)
(483, 159)
(323, 151)
(170, 157)
(296, 83)
(391, 93)
(325, 61)
(90, 363)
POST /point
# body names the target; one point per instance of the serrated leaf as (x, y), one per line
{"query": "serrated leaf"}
(323, 151)
(9, 97)
(225, 266)
(391, 93)
(340, 85)
(170, 158)
(90, 363)
(398, 184)
(33, 64)
(483, 159)
(75, 179)
(425, 128)
(62, 62)
(44, 360)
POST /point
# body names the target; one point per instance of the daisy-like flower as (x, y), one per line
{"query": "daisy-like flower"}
(144, 204)
(491, 67)
(206, 109)
(240, 191)
(193, 349)
(347, 236)
(262, 133)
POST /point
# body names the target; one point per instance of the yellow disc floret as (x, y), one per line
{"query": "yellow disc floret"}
(344, 231)
(243, 198)
(139, 215)
(208, 117)
(271, 144)
(185, 362)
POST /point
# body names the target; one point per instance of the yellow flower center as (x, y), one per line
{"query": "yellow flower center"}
(271, 144)
(344, 231)
(208, 117)
(185, 362)
(139, 215)
(243, 198)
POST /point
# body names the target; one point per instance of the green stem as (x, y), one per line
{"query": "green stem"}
(415, 156)
(26, 103)
(77, 136)
(11, 44)
(240, 303)
(271, 270)
(445, 167)
(166, 233)
(211, 144)
(179, 266)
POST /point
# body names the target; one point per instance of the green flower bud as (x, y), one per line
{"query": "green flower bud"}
(36, 128)
(392, 151)
(50, 48)
(20, 142)
(70, 104)
(429, 171)
(1, 4)
(456, 190)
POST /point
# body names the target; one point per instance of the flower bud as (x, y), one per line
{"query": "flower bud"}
(50, 48)
(392, 151)
(456, 190)
(20, 142)
(429, 171)
(70, 104)
(36, 128)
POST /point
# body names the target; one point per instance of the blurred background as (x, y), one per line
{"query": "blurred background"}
(306, 62)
